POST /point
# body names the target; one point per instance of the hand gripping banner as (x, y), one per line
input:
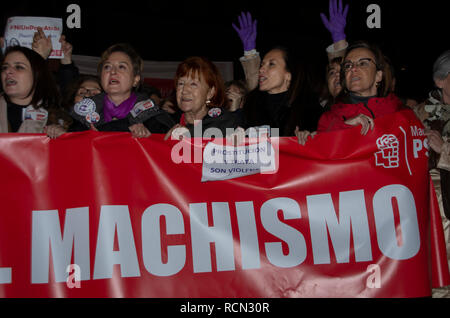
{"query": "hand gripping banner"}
(105, 215)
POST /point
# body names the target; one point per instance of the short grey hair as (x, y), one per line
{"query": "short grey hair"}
(441, 67)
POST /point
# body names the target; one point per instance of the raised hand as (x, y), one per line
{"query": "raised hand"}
(246, 31)
(66, 47)
(41, 43)
(336, 24)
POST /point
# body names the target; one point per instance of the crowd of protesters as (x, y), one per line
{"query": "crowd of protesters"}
(277, 92)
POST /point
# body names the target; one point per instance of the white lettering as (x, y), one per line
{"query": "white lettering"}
(294, 239)
(203, 235)
(151, 240)
(352, 213)
(112, 217)
(374, 279)
(417, 146)
(5, 275)
(73, 20)
(384, 220)
(248, 236)
(374, 20)
(46, 228)
(74, 280)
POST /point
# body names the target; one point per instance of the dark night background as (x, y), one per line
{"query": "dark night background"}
(412, 34)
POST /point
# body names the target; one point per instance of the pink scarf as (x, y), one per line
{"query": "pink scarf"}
(111, 111)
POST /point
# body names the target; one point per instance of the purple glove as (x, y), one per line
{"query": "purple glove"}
(246, 31)
(336, 24)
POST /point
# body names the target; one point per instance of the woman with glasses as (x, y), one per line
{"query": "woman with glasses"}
(366, 91)
(85, 86)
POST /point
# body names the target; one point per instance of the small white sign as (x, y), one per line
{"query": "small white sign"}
(227, 162)
(20, 31)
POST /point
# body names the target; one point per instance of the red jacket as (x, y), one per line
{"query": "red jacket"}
(376, 107)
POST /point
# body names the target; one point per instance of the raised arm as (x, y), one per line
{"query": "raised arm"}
(335, 24)
(251, 60)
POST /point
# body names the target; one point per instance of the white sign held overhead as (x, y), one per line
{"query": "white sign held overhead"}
(20, 31)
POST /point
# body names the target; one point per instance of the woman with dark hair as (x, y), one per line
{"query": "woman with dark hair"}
(30, 93)
(332, 87)
(235, 91)
(84, 86)
(120, 107)
(200, 95)
(284, 98)
(366, 91)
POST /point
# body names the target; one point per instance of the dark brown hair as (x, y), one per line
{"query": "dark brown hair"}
(72, 89)
(136, 60)
(44, 89)
(385, 85)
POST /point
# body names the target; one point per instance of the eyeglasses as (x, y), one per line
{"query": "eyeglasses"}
(361, 64)
(88, 92)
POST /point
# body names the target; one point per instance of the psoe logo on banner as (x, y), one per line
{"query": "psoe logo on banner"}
(388, 154)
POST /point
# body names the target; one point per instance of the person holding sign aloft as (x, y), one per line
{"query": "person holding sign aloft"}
(67, 71)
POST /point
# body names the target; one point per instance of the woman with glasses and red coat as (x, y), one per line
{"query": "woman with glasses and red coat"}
(367, 91)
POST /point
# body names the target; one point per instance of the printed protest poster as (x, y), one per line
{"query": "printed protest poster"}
(20, 31)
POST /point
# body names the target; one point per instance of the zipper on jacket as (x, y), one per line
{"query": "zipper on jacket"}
(371, 112)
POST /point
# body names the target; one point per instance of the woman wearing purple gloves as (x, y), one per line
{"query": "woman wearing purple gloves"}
(280, 92)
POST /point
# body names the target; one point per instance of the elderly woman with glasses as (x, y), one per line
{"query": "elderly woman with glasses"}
(366, 91)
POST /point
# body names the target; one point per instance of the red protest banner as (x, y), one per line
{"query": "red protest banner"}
(105, 215)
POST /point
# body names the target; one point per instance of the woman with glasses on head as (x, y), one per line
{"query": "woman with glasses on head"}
(84, 86)
(366, 91)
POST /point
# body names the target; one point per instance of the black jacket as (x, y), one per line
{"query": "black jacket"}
(219, 118)
(274, 110)
(155, 119)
